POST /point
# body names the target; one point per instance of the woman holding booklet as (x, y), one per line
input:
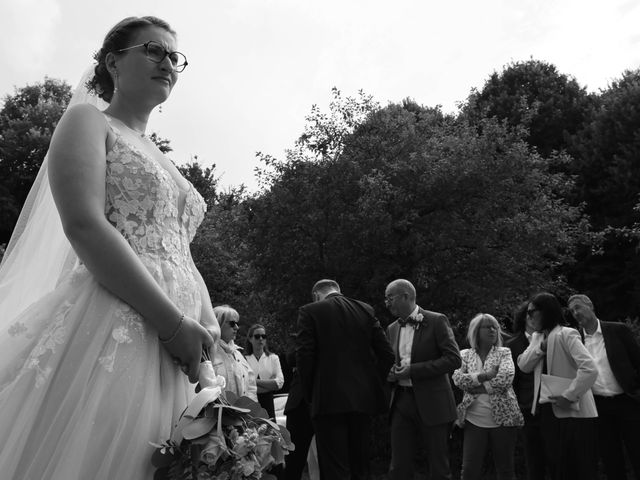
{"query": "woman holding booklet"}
(563, 375)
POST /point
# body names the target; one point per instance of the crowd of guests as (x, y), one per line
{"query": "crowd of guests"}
(571, 395)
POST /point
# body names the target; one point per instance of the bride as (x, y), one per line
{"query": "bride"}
(102, 306)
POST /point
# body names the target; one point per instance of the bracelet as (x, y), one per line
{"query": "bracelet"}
(175, 332)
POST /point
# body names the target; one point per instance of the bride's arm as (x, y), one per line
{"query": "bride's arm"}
(77, 163)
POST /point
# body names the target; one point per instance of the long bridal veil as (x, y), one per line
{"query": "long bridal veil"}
(38, 254)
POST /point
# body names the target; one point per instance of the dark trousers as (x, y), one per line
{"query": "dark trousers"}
(343, 445)
(570, 446)
(477, 440)
(533, 447)
(618, 427)
(301, 430)
(406, 431)
(266, 401)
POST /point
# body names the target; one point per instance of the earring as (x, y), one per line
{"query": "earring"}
(159, 108)
(115, 84)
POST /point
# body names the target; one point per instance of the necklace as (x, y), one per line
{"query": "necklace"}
(137, 132)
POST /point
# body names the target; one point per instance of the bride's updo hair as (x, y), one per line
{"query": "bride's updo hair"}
(118, 37)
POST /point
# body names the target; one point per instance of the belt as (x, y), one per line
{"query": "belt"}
(404, 388)
(608, 397)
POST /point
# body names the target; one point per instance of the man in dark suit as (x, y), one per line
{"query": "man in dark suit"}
(342, 356)
(422, 402)
(617, 389)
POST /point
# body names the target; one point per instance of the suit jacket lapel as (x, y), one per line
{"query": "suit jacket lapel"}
(417, 334)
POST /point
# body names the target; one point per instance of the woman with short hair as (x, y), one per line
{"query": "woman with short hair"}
(489, 411)
(228, 360)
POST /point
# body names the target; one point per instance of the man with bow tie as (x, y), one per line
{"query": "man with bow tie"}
(422, 402)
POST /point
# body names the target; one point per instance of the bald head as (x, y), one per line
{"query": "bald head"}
(402, 286)
(400, 297)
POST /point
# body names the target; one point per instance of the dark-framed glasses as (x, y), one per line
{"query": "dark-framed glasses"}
(258, 336)
(232, 323)
(531, 311)
(157, 53)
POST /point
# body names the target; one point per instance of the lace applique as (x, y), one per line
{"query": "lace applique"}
(55, 334)
(17, 328)
(131, 323)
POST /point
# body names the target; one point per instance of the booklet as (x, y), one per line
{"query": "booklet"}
(552, 386)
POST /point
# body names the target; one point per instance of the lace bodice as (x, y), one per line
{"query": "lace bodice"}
(143, 203)
(157, 218)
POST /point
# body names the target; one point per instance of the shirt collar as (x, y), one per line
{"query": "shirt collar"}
(597, 332)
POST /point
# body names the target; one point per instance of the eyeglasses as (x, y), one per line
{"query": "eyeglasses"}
(390, 298)
(157, 53)
(258, 336)
(531, 311)
(232, 323)
(489, 327)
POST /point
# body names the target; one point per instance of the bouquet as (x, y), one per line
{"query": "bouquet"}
(220, 436)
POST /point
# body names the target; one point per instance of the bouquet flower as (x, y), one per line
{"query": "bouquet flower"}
(221, 437)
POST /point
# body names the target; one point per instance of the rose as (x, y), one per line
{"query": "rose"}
(208, 378)
(263, 454)
(214, 449)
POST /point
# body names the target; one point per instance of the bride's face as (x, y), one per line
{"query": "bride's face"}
(138, 77)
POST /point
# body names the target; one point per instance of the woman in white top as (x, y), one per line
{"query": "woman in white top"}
(489, 411)
(228, 361)
(266, 365)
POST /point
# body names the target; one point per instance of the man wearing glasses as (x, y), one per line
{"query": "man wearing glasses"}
(422, 402)
(343, 357)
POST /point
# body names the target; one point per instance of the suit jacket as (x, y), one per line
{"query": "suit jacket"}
(623, 353)
(342, 357)
(566, 357)
(295, 398)
(434, 355)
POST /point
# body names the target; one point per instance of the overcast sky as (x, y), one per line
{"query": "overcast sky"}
(257, 66)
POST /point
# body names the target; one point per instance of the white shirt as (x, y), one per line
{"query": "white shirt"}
(606, 383)
(267, 368)
(405, 343)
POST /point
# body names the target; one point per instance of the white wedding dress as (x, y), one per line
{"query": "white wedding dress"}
(87, 384)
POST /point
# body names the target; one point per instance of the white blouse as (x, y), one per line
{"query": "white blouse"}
(267, 368)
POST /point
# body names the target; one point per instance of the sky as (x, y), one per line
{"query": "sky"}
(256, 67)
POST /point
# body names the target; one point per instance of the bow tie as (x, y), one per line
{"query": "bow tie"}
(407, 321)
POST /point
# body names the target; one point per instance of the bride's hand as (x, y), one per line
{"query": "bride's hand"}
(187, 346)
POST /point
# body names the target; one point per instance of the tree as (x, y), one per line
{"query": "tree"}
(607, 167)
(533, 94)
(471, 215)
(203, 180)
(27, 120)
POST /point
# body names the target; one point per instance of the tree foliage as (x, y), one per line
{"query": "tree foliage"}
(472, 216)
(607, 167)
(203, 179)
(533, 95)
(27, 120)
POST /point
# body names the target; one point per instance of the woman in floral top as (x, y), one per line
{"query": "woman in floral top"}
(489, 411)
